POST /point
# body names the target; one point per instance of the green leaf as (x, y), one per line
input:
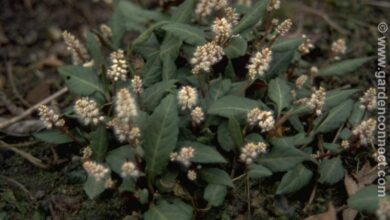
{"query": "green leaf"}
(236, 47)
(216, 176)
(187, 33)
(93, 188)
(365, 200)
(236, 132)
(279, 93)
(283, 158)
(282, 55)
(335, 97)
(162, 129)
(81, 80)
(331, 170)
(294, 180)
(356, 115)
(183, 13)
(334, 148)
(224, 138)
(154, 94)
(288, 44)
(290, 141)
(204, 153)
(127, 185)
(252, 18)
(53, 137)
(258, 171)
(94, 49)
(218, 88)
(152, 71)
(142, 38)
(344, 67)
(232, 106)
(335, 118)
(167, 211)
(169, 51)
(117, 157)
(215, 194)
(99, 143)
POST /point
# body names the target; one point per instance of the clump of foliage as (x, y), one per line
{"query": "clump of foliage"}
(205, 106)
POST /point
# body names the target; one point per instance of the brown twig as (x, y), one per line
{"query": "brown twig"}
(21, 186)
(33, 108)
(35, 161)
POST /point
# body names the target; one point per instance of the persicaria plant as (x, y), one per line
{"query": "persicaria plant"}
(210, 104)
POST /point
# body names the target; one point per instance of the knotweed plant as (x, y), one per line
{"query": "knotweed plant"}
(211, 99)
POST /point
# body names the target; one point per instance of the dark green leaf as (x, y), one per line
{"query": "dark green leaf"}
(94, 49)
(335, 97)
(366, 199)
(167, 211)
(335, 118)
(99, 143)
(279, 93)
(294, 180)
(93, 188)
(205, 154)
(53, 137)
(187, 33)
(162, 131)
(252, 18)
(235, 132)
(258, 171)
(232, 106)
(216, 176)
(331, 170)
(215, 194)
(154, 94)
(224, 138)
(283, 158)
(343, 67)
(117, 157)
(356, 115)
(236, 47)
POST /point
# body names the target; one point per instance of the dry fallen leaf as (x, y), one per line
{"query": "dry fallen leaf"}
(366, 175)
(350, 184)
(349, 214)
(329, 215)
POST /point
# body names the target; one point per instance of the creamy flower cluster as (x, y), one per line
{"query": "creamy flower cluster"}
(231, 15)
(273, 5)
(125, 105)
(119, 66)
(368, 101)
(197, 115)
(187, 97)
(206, 56)
(78, 52)
(263, 119)
(88, 111)
(184, 156)
(124, 132)
(366, 131)
(129, 170)
(339, 47)
(316, 100)
(306, 46)
(259, 63)
(300, 81)
(222, 30)
(96, 170)
(106, 30)
(205, 7)
(136, 84)
(251, 151)
(383, 211)
(49, 117)
(284, 27)
(191, 175)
